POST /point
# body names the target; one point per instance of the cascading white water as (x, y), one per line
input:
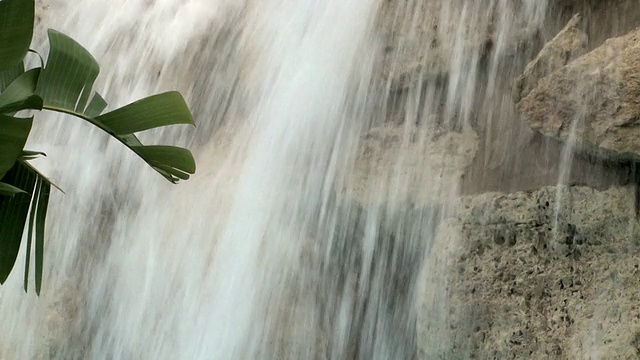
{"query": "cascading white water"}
(272, 250)
(188, 271)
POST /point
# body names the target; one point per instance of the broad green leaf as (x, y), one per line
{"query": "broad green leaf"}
(13, 216)
(176, 161)
(13, 136)
(20, 94)
(9, 74)
(96, 106)
(154, 111)
(30, 230)
(67, 80)
(176, 157)
(130, 140)
(41, 215)
(66, 83)
(33, 102)
(170, 173)
(16, 30)
(9, 190)
(19, 209)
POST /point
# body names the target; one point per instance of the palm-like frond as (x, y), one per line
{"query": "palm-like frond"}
(64, 84)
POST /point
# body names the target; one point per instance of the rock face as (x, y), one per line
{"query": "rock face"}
(401, 163)
(593, 100)
(422, 37)
(548, 274)
(570, 43)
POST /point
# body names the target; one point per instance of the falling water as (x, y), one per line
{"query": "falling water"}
(326, 159)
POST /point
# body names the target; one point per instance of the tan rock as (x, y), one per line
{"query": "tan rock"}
(410, 164)
(427, 39)
(570, 43)
(593, 101)
(518, 276)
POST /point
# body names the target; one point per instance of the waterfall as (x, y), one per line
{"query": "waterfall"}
(326, 159)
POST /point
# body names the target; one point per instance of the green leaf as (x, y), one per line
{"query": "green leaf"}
(43, 203)
(30, 230)
(20, 94)
(96, 106)
(9, 74)
(155, 111)
(67, 80)
(16, 30)
(13, 136)
(15, 212)
(13, 216)
(130, 140)
(175, 157)
(66, 84)
(170, 159)
(9, 190)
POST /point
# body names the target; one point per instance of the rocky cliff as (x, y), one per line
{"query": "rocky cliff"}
(537, 253)
(544, 274)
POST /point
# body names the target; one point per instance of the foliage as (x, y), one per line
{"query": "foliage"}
(65, 85)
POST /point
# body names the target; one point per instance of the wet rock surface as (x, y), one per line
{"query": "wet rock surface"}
(570, 43)
(592, 101)
(551, 273)
(410, 164)
(546, 273)
(433, 50)
(422, 37)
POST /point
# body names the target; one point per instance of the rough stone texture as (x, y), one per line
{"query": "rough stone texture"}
(418, 165)
(592, 101)
(418, 85)
(603, 19)
(509, 296)
(528, 279)
(422, 37)
(570, 43)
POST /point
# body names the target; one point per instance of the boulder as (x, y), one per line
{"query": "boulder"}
(592, 101)
(570, 43)
(545, 274)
